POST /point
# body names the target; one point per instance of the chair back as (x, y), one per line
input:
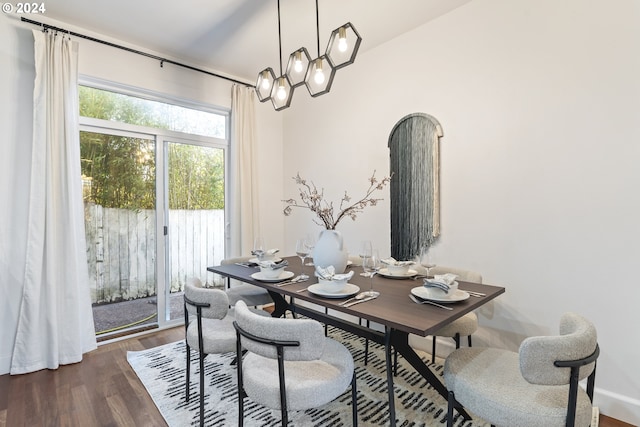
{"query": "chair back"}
(538, 355)
(464, 275)
(214, 303)
(307, 332)
(228, 261)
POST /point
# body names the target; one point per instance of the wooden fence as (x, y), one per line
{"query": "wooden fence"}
(121, 249)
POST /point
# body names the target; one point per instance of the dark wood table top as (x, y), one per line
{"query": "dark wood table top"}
(392, 308)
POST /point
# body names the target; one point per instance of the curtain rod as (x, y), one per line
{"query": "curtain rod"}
(128, 49)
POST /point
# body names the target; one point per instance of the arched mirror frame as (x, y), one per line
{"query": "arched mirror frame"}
(414, 155)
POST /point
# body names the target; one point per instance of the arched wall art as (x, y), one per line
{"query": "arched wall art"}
(415, 185)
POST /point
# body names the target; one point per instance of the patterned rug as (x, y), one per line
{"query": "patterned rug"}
(161, 370)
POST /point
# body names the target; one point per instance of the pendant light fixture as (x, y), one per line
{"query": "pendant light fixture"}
(343, 46)
(317, 74)
(282, 91)
(297, 66)
(320, 73)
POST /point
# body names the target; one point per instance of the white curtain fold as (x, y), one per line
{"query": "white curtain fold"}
(55, 325)
(246, 210)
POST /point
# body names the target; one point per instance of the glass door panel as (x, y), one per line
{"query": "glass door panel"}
(119, 189)
(195, 217)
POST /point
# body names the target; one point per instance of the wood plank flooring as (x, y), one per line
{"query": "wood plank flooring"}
(102, 390)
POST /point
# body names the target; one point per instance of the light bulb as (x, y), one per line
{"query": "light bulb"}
(266, 84)
(297, 65)
(319, 75)
(342, 45)
(282, 93)
(342, 39)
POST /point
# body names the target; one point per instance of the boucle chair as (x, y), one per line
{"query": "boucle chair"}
(464, 326)
(538, 386)
(290, 364)
(209, 328)
(252, 295)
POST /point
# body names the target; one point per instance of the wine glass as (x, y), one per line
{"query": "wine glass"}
(258, 248)
(302, 250)
(371, 265)
(364, 250)
(426, 259)
(310, 242)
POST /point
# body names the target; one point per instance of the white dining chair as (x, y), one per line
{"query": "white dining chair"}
(464, 326)
(536, 386)
(290, 364)
(209, 329)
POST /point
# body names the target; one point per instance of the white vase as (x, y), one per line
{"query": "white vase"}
(329, 250)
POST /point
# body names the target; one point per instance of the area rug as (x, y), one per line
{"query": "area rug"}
(162, 371)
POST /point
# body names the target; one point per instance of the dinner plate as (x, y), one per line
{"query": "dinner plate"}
(423, 293)
(386, 273)
(348, 291)
(283, 276)
(257, 261)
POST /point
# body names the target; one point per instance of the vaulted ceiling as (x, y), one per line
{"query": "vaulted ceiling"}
(240, 37)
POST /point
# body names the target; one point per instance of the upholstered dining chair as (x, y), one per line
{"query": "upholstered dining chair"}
(464, 326)
(209, 328)
(290, 364)
(537, 386)
(252, 295)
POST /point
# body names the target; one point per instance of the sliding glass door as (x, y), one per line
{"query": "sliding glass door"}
(153, 173)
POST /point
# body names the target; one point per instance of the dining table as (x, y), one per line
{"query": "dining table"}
(393, 310)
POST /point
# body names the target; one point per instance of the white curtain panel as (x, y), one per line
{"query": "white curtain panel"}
(55, 325)
(246, 210)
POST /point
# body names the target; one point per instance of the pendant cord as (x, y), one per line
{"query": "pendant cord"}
(317, 28)
(279, 37)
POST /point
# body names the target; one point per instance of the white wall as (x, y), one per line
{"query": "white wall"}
(97, 61)
(539, 101)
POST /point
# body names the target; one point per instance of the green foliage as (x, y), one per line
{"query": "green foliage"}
(120, 172)
(196, 177)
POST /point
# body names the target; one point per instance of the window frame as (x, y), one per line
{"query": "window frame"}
(162, 137)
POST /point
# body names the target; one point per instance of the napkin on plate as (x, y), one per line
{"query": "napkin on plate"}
(441, 281)
(260, 253)
(392, 261)
(273, 265)
(329, 273)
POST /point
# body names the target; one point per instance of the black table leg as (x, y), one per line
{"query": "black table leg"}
(281, 304)
(388, 334)
(400, 341)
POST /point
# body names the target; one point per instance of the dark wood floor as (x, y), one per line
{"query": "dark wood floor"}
(102, 390)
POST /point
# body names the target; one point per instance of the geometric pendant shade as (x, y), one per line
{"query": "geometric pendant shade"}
(316, 74)
(343, 46)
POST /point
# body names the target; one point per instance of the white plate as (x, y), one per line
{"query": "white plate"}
(283, 276)
(386, 273)
(348, 290)
(256, 261)
(457, 296)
